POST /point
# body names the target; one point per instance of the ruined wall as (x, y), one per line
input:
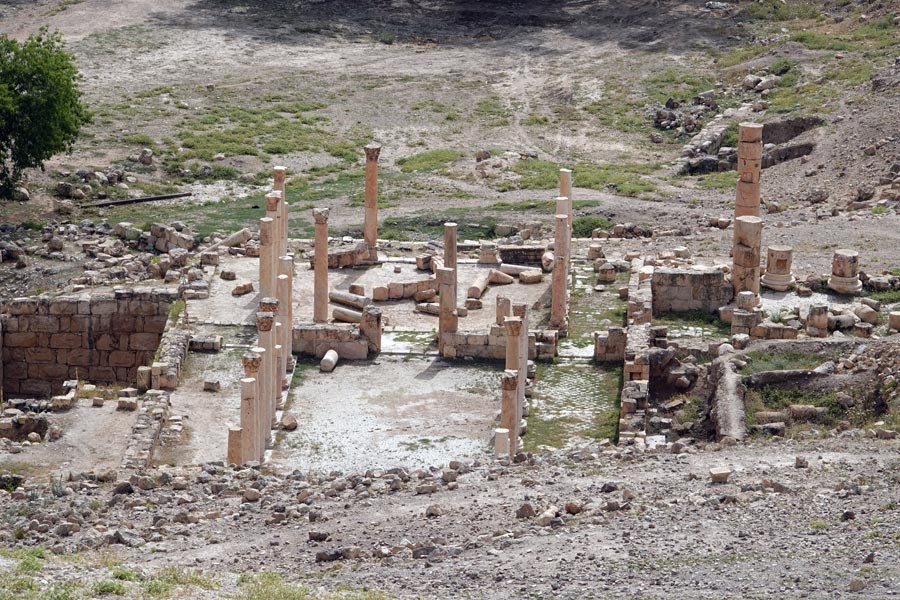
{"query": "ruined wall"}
(101, 337)
(683, 290)
(542, 344)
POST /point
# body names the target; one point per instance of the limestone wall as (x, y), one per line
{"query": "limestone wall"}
(683, 290)
(542, 344)
(101, 337)
(318, 338)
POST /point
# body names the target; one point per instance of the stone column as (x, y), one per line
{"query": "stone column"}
(286, 268)
(564, 207)
(565, 191)
(520, 311)
(817, 321)
(266, 254)
(279, 174)
(501, 442)
(504, 309)
(370, 225)
(778, 269)
(450, 258)
(234, 446)
(265, 322)
(749, 163)
(508, 408)
(252, 446)
(320, 283)
(563, 234)
(273, 211)
(559, 295)
(747, 241)
(845, 272)
(283, 323)
(514, 334)
(448, 320)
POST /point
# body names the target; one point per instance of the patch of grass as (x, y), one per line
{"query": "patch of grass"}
(109, 587)
(819, 525)
(125, 574)
(741, 54)
(271, 586)
(880, 209)
(725, 180)
(428, 161)
(139, 139)
(492, 108)
(782, 361)
(885, 296)
(776, 10)
(625, 179)
(820, 41)
(583, 227)
(534, 119)
(730, 138)
(169, 579)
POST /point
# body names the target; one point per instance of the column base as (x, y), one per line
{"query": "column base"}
(850, 286)
(777, 282)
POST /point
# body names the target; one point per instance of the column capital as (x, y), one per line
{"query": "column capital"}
(320, 215)
(372, 150)
(268, 305)
(279, 174)
(272, 200)
(513, 326)
(265, 321)
(251, 361)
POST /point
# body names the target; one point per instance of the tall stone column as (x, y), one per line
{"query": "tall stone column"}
(778, 274)
(252, 447)
(750, 149)
(845, 272)
(514, 334)
(273, 211)
(286, 298)
(320, 282)
(520, 311)
(559, 287)
(450, 257)
(265, 323)
(266, 254)
(448, 320)
(508, 409)
(563, 234)
(564, 207)
(370, 225)
(747, 242)
(279, 174)
(283, 323)
(565, 191)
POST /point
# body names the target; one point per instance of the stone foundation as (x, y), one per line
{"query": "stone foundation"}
(102, 337)
(684, 290)
(542, 344)
(522, 255)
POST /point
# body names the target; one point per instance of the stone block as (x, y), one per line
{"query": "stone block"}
(66, 340)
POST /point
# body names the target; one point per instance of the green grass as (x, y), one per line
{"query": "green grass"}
(583, 227)
(725, 180)
(164, 583)
(783, 361)
(139, 139)
(429, 161)
(886, 296)
(493, 111)
(109, 587)
(624, 179)
(534, 119)
(776, 10)
(820, 41)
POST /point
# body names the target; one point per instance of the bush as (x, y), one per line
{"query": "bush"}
(582, 227)
(40, 104)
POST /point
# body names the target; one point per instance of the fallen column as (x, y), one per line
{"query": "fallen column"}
(320, 275)
(845, 272)
(747, 241)
(750, 148)
(329, 361)
(778, 275)
(370, 225)
(348, 299)
(346, 315)
(479, 286)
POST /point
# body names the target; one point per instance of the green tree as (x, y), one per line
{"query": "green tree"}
(40, 104)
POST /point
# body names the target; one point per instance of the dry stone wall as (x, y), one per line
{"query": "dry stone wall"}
(102, 337)
(684, 290)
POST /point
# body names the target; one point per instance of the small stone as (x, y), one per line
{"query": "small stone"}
(719, 474)
(288, 422)
(434, 510)
(245, 287)
(801, 463)
(251, 495)
(212, 386)
(228, 275)
(856, 585)
(526, 511)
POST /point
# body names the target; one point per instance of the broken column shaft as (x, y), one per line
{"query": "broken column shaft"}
(749, 164)
(279, 174)
(508, 408)
(266, 254)
(747, 241)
